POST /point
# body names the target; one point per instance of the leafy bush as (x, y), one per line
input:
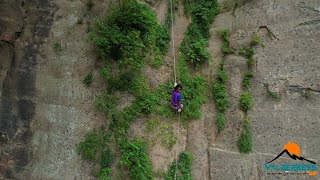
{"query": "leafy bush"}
(105, 174)
(182, 169)
(250, 62)
(107, 158)
(220, 96)
(245, 139)
(195, 50)
(221, 122)
(225, 48)
(245, 101)
(127, 33)
(91, 146)
(121, 83)
(246, 80)
(193, 94)
(105, 73)
(87, 80)
(222, 75)
(193, 47)
(134, 155)
(168, 138)
(203, 13)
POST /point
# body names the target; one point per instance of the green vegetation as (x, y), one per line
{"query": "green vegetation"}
(256, 40)
(245, 101)
(126, 34)
(87, 80)
(57, 47)
(95, 147)
(221, 122)
(245, 139)
(247, 52)
(225, 48)
(193, 94)
(161, 131)
(197, 35)
(182, 169)
(220, 96)
(246, 80)
(134, 155)
(168, 138)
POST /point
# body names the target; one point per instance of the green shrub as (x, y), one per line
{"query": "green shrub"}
(220, 96)
(168, 138)
(162, 39)
(182, 169)
(105, 102)
(193, 93)
(203, 13)
(107, 158)
(245, 139)
(105, 73)
(194, 44)
(152, 125)
(195, 50)
(134, 155)
(250, 62)
(123, 82)
(90, 147)
(220, 122)
(225, 48)
(105, 174)
(256, 40)
(247, 52)
(246, 80)
(245, 101)
(127, 33)
(222, 75)
(87, 80)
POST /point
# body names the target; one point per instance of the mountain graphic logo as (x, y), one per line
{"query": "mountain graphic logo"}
(293, 150)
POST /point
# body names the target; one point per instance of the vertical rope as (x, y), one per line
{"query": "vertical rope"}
(174, 54)
(175, 75)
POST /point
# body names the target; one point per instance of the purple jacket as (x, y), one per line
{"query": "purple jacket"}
(176, 97)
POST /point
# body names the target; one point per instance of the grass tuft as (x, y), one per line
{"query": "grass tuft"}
(245, 139)
(246, 101)
(87, 80)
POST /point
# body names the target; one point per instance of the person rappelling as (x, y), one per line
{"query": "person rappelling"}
(177, 98)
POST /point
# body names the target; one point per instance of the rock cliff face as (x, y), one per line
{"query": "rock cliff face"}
(45, 110)
(20, 40)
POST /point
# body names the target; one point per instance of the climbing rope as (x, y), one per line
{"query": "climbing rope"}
(175, 76)
(174, 54)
